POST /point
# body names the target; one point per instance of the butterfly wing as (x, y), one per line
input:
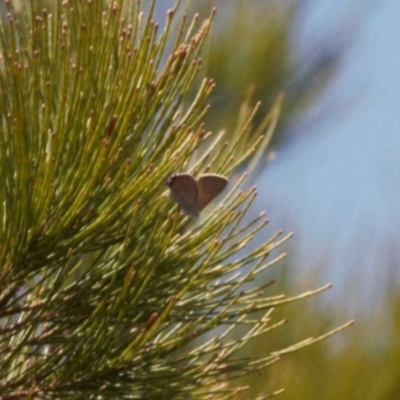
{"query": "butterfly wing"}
(183, 189)
(209, 187)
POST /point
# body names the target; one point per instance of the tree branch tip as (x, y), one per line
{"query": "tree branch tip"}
(242, 388)
(266, 319)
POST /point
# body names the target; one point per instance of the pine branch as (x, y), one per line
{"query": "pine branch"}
(107, 291)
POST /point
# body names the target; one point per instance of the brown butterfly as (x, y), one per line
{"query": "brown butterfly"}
(193, 195)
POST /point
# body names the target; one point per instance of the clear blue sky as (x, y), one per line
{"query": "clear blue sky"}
(338, 188)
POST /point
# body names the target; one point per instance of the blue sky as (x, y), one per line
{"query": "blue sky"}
(338, 188)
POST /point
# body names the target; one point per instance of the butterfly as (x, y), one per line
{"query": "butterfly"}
(193, 195)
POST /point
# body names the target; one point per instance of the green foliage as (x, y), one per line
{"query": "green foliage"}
(106, 290)
(361, 363)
